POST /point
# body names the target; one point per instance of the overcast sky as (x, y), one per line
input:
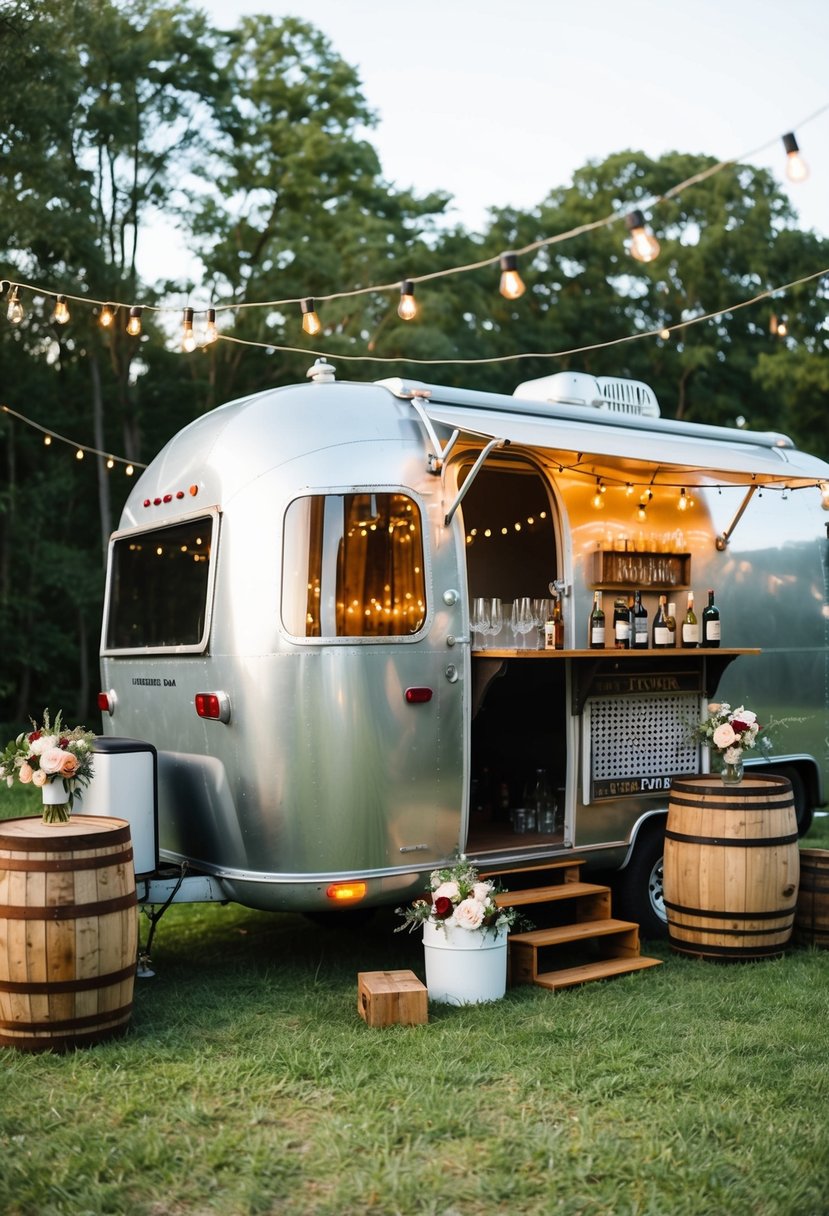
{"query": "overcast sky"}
(498, 101)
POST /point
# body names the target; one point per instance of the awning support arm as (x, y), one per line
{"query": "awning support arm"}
(434, 461)
(722, 540)
(473, 473)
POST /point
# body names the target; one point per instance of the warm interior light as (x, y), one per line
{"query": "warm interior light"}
(642, 512)
(643, 245)
(512, 285)
(134, 323)
(310, 321)
(107, 316)
(346, 892)
(211, 332)
(796, 168)
(407, 308)
(682, 505)
(188, 338)
(60, 315)
(15, 309)
(598, 497)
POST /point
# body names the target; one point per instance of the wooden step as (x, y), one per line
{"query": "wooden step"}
(563, 864)
(586, 930)
(543, 895)
(602, 969)
(529, 953)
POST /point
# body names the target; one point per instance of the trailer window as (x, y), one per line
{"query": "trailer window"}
(158, 588)
(353, 566)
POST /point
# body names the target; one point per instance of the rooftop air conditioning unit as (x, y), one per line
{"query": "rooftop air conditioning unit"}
(602, 393)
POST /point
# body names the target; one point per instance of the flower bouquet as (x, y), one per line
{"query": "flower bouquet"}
(52, 759)
(729, 732)
(459, 899)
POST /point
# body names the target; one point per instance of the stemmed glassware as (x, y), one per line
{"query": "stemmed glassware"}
(496, 617)
(542, 611)
(479, 617)
(522, 619)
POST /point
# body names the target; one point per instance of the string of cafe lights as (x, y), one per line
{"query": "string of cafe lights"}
(643, 246)
(81, 450)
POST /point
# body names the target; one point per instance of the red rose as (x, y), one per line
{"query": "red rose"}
(35, 735)
(442, 907)
(739, 727)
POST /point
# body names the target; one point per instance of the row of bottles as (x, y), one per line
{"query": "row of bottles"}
(630, 624)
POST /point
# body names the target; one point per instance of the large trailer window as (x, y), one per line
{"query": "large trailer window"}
(353, 566)
(158, 588)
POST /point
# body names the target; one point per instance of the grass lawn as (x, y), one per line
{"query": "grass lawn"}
(248, 1084)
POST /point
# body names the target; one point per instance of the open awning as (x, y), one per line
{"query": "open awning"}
(675, 454)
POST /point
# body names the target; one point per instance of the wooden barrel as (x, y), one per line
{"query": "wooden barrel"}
(731, 867)
(68, 932)
(811, 922)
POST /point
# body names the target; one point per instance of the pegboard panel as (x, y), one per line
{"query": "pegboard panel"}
(641, 736)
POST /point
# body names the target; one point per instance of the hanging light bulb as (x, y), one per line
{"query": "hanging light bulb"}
(134, 323)
(782, 328)
(796, 168)
(188, 338)
(15, 309)
(60, 315)
(47, 441)
(407, 308)
(211, 332)
(643, 245)
(598, 497)
(665, 334)
(310, 321)
(107, 316)
(682, 505)
(110, 463)
(512, 285)
(79, 454)
(642, 512)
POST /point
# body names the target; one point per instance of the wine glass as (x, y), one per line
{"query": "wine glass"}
(522, 617)
(479, 617)
(542, 612)
(496, 617)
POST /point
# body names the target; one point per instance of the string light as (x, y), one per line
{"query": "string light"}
(134, 323)
(642, 512)
(188, 338)
(15, 309)
(512, 285)
(80, 448)
(598, 497)
(60, 315)
(796, 168)
(407, 308)
(107, 316)
(310, 321)
(643, 245)
(782, 328)
(211, 332)
(682, 505)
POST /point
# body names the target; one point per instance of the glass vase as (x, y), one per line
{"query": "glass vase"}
(56, 807)
(732, 774)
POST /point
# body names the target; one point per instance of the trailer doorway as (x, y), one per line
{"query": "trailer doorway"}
(512, 545)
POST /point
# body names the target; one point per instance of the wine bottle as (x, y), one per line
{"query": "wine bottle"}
(621, 624)
(661, 632)
(670, 624)
(558, 625)
(690, 625)
(639, 641)
(596, 629)
(710, 623)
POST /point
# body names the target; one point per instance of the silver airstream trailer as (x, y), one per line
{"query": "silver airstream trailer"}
(287, 629)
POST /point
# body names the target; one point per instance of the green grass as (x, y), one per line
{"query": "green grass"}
(248, 1084)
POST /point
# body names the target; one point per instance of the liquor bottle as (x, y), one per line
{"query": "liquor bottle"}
(661, 632)
(670, 624)
(621, 624)
(554, 628)
(596, 626)
(639, 640)
(690, 625)
(710, 623)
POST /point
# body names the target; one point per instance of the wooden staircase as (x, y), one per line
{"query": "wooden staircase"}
(582, 940)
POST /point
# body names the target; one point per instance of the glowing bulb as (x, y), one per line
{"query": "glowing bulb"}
(79, 454)
(642, 512)
(211, 332)
(643, 245)
(107, 316)
(61, 313)
(598, 497)
(796, 168)
(129, 470)
(682, 505)
(47, 441)
(664, 334)
(15, 309)
(407, 308)
(310, 321)
(512, 285)
(782, 328)
(134, 323)
(110, 463)
(188, 338)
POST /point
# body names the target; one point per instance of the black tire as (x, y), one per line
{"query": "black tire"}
(638, 894)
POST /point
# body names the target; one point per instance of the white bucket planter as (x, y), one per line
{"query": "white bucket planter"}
(465, 967)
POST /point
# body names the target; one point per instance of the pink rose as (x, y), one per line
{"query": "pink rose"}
(724, 735)
(39, 778)
(469, 914)
(25, 774)
(51, 761)
(68, 765)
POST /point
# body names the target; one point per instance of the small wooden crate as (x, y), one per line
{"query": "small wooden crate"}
(386, 998)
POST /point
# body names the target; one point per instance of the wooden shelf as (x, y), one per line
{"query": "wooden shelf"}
(628, 570)
(625, 656)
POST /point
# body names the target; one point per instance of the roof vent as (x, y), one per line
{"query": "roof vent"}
(602, 393)
(321, 372)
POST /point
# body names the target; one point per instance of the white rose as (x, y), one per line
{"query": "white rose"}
(449, 889)
(724, 735)
(44, 743)
(482, 891)
(51, 761)
(469, 914)
(746, 715)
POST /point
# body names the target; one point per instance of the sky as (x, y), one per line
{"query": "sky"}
(499, 101)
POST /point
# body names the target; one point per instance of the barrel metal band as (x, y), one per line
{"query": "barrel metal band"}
(755, 842)
(728, 952)
(81, 984)
(69, 911)
(745, 804)
(65, 844)
(714, 914)
(88, 1020)
(61, 865)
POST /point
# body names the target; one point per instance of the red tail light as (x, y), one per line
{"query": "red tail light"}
(213, 705)
(418, 696)
(106, 702)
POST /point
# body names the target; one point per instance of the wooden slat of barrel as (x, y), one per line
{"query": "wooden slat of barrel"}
(68, 932)
(731, 867)
(811, 922)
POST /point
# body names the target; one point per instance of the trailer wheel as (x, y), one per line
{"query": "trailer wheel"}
(638, 886)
